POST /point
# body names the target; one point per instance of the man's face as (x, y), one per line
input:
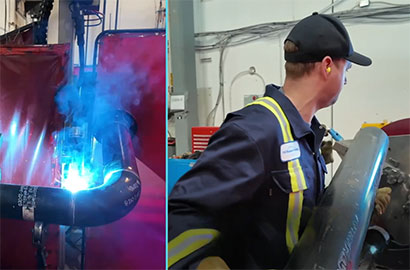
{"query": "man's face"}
(337, 79)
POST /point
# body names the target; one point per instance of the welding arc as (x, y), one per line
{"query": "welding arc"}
(92, 207)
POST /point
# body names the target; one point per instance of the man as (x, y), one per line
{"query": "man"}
(248, 198)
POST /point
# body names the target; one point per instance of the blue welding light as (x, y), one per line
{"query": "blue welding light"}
(77, 178)
(109, 175)
(39, 143)
(11, 138)
(13, 127)
(373, 249)
(36, 153)
(376, 169)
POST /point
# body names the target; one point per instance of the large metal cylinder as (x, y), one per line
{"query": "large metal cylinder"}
(335, 233)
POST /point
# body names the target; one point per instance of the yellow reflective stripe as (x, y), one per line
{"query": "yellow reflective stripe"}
(275, 108)
(188, 242)
(270, 108)
(284, 116)
(297, 177)
(293, 219)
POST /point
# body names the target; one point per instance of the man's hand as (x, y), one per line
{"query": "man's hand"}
(327, 151)
(382, 200)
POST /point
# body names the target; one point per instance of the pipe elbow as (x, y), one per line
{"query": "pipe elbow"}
(109, 202)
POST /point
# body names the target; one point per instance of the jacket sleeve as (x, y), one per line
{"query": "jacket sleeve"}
(201, 204)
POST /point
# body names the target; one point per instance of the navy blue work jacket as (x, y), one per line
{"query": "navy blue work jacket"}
(239, 187)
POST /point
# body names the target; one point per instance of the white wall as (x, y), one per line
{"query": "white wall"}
(265, 55)
(53, 24)
(379, 92)
(7, 8)
(3, 26)
(373, 94)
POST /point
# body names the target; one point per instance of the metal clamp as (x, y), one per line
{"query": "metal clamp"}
(39, 239)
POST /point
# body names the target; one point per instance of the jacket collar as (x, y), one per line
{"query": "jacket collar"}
(299, 127)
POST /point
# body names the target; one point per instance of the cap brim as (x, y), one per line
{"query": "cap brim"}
(359, 59)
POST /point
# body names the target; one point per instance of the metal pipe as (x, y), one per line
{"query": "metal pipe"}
(335, 233)
(116, 14)
(103, 17)
(86, 40)
(78, 18)
(93, 207)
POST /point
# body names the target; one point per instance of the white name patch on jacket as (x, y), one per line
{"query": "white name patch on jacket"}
(289, 151)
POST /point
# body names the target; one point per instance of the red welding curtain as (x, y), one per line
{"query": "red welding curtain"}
(134, 63)
(29, 79)
(137, 241)
(132, 66)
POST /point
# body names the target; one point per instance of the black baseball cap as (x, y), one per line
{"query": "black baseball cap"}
(322, 35)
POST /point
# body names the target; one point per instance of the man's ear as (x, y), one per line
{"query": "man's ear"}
(326, 66)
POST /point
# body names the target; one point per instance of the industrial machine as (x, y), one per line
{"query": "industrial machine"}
(387, 241)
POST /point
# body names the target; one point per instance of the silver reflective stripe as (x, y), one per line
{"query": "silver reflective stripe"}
(298, 173)
(295, 218)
